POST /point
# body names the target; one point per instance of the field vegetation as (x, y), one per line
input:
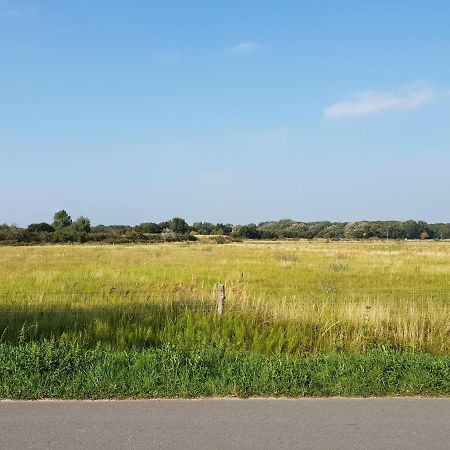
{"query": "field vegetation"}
(288, 304)
(65, 230)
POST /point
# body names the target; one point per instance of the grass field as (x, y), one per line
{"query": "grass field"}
(299, 299)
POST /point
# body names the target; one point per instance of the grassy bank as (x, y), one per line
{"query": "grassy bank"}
(58, 370)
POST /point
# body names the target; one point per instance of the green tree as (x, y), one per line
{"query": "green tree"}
(178, 225)
(249, 231)
(203, 227)
(221, 228)
(61, 219)
(82, 225)
(40, 227)
(148, 227)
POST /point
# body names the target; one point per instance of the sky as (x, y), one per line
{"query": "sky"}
(224, 111)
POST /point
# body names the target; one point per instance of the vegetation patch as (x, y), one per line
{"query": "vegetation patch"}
(301, 318)
(63, 370)
(63, 230)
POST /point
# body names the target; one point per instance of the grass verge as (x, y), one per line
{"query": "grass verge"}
(68, 370)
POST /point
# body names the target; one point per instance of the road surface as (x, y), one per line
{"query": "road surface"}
(336, 423)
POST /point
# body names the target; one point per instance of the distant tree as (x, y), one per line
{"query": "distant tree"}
(393, 230)
(267, 234)
(148, 227)
(222, 228)
(411, 229)
(203, 227)
(82, 225)
(315, 228)
(363, 230)
(178, 225)
(41, 227)
(210, 228)
(440, 230)
(9, 232)
(334, 231)
(61, 219)
(296, 230)
(249, 231)
(132, 235)
(284, 228)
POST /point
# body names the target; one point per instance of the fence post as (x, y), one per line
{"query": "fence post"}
(221, 304)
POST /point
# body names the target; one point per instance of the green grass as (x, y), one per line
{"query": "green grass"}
(270, 271)
(358, 318)
(58, 370)
(145, 326)
(293, 298)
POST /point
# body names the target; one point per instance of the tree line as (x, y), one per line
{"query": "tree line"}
(65, 230)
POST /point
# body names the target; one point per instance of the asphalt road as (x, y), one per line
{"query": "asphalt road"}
(384, 423)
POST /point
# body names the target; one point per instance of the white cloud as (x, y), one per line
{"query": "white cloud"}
(372, 102)
(243, 48)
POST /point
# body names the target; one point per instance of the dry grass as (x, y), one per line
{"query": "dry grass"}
(349, 294)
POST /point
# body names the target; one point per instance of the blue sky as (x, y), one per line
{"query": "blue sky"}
(233, 111)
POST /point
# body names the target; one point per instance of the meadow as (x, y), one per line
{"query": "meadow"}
(288, 302)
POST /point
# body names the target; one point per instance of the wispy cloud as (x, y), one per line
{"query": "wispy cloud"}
(367, 103)
(243, 48)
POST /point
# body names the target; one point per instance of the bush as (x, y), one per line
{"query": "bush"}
(41, 227)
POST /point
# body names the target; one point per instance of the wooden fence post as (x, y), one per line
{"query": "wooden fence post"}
(221, 305)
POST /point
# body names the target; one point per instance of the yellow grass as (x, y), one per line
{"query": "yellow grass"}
(399, 290)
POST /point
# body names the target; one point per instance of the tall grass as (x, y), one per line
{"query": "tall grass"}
(273, 271)
(309, 330)
(293, 298)
(302, 318)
